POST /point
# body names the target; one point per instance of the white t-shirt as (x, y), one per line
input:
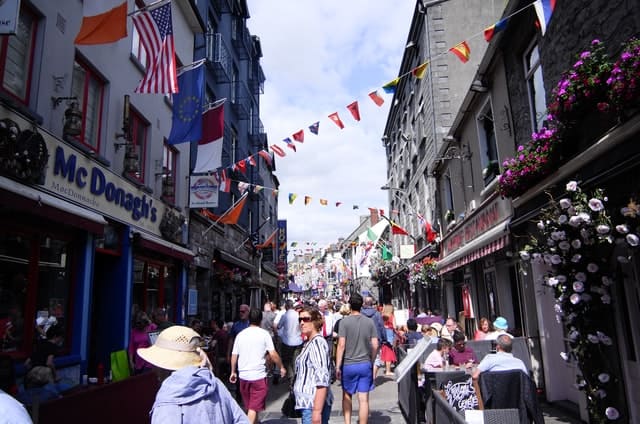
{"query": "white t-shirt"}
(251, 345)
(493, 335)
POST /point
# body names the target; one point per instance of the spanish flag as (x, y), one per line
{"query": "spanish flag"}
(461, 50)
(103, 21)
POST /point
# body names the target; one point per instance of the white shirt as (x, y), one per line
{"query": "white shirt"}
(251, 345)
(493, 335)
(290, 327)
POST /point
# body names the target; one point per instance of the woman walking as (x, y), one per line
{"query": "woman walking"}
(311, 387)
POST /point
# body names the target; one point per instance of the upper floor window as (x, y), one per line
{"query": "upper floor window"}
(448, 196)
(169, 164)
(16, 56)
(136, 46)
(234, 145)
(535, 87)
(88, 88)
(488, 145)
(139, 131)
(234, 84)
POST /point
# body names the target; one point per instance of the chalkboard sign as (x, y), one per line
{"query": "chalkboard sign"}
(460, 393)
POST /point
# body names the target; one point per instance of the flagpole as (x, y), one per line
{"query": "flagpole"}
(225, 213)
(249, 238)
(149, 6)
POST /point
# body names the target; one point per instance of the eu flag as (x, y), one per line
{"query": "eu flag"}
(186, 124)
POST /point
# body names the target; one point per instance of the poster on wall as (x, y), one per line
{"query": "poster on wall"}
(9, 10)
(203, 191)
(192, 304)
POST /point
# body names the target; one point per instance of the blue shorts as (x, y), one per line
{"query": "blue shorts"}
(357, 378)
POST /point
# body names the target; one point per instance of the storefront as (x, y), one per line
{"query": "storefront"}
(82, 247)
(477, 271)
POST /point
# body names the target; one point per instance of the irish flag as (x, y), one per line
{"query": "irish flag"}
(103, 21)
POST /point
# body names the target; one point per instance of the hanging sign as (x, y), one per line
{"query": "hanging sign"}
(9, 13)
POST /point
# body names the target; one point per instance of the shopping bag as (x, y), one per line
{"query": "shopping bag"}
(119, 365)
(289, 407)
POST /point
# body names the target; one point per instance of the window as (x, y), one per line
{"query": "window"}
(488, 147)
(88, 88)
(16, 57)
(448, 197)
(137, 50)
(139, 129)
(234, 145)
(35, 282)
(154, 286)
(234, 85)
(169, 164)
(535, 86)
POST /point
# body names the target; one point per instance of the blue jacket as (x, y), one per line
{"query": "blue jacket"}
(377, 320)
(194, 395)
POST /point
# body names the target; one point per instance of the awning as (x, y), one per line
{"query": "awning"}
(236, 261)
(491, 241)
(16, 195)
(151, 242)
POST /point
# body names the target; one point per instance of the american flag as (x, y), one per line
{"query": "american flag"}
(156, 36)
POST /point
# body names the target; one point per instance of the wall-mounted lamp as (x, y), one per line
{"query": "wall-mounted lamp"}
(72, 120)
(126, 125)
(453, 153)
(131, 159)
(478, 86)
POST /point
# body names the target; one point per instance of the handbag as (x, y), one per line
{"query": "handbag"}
(119, 365)
(289, 407)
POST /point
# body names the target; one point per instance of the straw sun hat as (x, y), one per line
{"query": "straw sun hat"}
(175, 348)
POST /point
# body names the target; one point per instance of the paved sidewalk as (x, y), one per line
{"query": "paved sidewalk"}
(383, 406)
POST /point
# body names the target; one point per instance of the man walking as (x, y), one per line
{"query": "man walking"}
(289, 332)
(369, 310)
(248, 364)
(357, 349)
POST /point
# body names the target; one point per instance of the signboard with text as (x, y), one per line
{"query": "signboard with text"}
(281, 247)
(9, 12)
(203, 191)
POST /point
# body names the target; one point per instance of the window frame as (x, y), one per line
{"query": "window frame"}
(486, 114)
(28, 72)
(169, 169)
(531, 74)
(137, 120)
(89, 76)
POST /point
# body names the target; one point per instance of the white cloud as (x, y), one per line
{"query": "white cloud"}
(318, 57)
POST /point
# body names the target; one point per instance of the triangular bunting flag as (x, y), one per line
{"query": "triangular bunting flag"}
(242, 187)
(277, 150)
(289, 143)
(371, 235)
(390, 87)
(419, 71)
(251, 161)
(386, 254)
(355, 111)
(266, 156)
(242, 166)
(462, 51)
(336, 119)
(376, 98)
(494, 29)
(324, 202)
(356, 207)
(299, 136)
(307, 200)
(292, 198)
(338, 204)
(314, 128)
(431, 235)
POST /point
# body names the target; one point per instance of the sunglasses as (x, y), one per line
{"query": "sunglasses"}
(304, 319)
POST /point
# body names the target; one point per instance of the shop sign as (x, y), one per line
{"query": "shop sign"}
(9, 12)
(203, 192)
(281, 246)
(481, 222)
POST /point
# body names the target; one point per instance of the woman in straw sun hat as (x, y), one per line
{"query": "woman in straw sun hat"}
(189, 393)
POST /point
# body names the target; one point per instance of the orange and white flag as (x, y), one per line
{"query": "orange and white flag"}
(103, 21)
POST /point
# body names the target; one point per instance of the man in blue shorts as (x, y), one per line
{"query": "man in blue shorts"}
(355, 357)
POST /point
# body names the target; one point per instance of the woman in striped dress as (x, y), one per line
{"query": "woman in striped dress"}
(311, 388)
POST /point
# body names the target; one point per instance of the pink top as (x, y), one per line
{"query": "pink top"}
(140, 338)
(480, 335)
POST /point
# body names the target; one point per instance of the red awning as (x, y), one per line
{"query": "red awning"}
(157, 244)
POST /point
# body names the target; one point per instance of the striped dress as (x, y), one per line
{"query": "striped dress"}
(312, 370)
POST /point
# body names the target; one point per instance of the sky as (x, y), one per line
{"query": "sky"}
(319, 57)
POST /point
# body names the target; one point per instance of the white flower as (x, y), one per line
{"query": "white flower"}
(565, 203)
(576, 258)
(524, 255)
(592, 267)
(564, 356)
(552, 281)
(623, 259)
(550, 242)
(564, 245)
(606, 340)
(558, 235)
(556, 259)
(572, 186)
(593, 338)
(586, 218)
(612, 413)
(536, 258)
(576, 244)
(571, 211)
(581, 276)
(562, 219)
(558, 309)
(578, 286)
(540, 225)
(603, 229)
(600, 393)
(596, 205)
(561, 278)
(622, 228)
(573, 335)
(575, 221)
(603, 377)
(633, 240)
(575, 298)
(606, 299)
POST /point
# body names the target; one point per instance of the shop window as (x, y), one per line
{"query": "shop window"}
(139, 131)
(153, 286)
(535, 86)
(16, 57)
(35, 288)
(88, 88)
(169, 164)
